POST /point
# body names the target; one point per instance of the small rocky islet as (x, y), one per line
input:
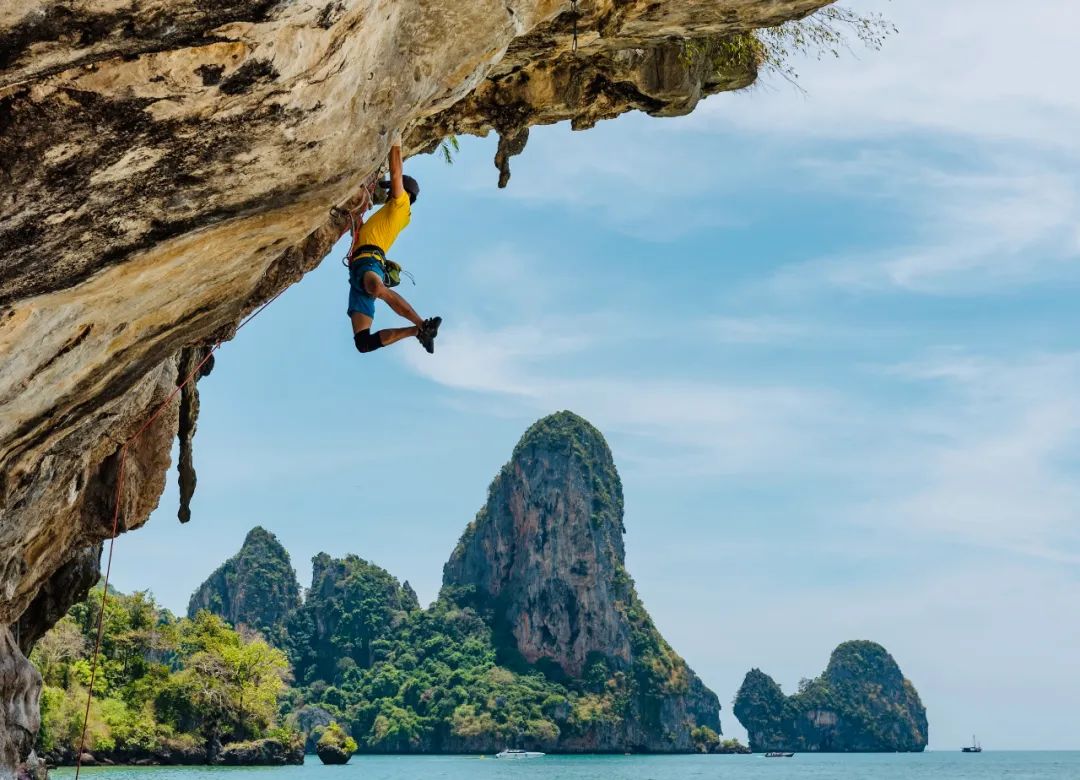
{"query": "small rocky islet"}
(861, 703)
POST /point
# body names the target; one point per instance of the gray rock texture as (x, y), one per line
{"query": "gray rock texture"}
(20, 689)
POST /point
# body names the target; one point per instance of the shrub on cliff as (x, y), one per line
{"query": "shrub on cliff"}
(159, 680)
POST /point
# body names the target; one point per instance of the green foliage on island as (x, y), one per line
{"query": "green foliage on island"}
(335, 746)
(403, 679)
(433, 684)
(351, 605)
(335, 736)
(164, 687)
(397, 677)
(708, 741)
(257, 587)
(861, 703)
(441, 679)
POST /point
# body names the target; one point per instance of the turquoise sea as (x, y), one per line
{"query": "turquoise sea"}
(940, 766)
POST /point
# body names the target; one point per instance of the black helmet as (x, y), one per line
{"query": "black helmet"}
(410, 184)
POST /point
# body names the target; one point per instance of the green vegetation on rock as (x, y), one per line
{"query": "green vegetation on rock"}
(350, 606)
(726, 59)
(257, 587)
(470, 673)
(861, 703)
(166, 690)
(434, 685)
(335, 746)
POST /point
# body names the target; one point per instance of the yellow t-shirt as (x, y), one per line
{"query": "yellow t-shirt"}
(382, 227)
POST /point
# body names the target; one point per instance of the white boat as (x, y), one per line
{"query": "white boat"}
(515, 753)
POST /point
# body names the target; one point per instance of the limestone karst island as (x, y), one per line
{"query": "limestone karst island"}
(171, 171)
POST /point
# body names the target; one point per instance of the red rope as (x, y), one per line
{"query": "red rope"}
(116, 519)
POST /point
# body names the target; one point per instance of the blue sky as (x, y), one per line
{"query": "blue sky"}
(831, 338)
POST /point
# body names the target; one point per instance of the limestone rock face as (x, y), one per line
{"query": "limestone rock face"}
(350, 605)
(257, 587)
(168, 165)
(861, 704)
(545, 556)
(548, 547)
(262, 752)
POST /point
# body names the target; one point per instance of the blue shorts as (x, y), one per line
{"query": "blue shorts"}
(359, 301)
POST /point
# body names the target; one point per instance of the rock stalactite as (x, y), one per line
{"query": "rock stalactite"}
(169, 165)
(200, 361)
(510, 145)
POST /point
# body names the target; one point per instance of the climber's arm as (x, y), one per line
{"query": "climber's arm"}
(397, 188)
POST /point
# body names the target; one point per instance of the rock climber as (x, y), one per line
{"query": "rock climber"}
(371, 275)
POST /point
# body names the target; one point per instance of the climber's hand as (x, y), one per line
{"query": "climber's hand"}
(395, 139)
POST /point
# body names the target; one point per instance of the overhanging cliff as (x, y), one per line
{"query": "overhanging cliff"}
(168, 165)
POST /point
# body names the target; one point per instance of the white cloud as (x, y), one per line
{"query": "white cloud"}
(983, 459)
(689, 427)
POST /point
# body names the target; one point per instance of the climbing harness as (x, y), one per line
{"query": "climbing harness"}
(391, 270)
(116, 516)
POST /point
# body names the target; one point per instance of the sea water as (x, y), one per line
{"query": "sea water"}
(989, 765)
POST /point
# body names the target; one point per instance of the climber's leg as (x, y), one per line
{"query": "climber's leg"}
(366, 341)
(374, 286)
(367, 286)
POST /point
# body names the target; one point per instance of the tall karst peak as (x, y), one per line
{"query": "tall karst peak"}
(548, 549)
(545, 558)
(257, 587)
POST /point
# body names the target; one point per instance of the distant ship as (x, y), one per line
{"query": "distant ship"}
(778, 754)
(514, 753)
(974, 747)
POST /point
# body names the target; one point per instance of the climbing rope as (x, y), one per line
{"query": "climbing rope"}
(365, 204)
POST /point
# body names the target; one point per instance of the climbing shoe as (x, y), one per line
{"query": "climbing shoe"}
(428, 331)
